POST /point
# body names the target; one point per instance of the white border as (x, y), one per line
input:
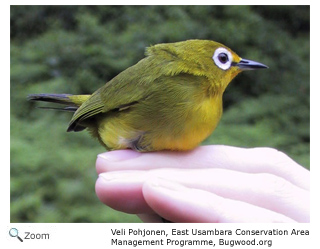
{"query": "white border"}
(72, 235)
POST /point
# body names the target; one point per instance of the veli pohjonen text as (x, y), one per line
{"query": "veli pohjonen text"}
(199, 237)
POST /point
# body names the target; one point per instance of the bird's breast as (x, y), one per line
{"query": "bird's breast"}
(200, 121)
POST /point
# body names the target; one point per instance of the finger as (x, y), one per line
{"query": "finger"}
(122, 192)
(256, 160)
(108, 161)
(263, 190)
(180, 204)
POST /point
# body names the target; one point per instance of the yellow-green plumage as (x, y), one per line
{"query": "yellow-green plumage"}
(170, 100)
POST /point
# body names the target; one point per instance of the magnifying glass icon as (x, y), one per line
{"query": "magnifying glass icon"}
(13, 232)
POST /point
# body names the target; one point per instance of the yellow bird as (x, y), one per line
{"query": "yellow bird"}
(170, 100)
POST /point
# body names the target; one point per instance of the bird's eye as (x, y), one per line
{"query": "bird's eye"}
(222, 58)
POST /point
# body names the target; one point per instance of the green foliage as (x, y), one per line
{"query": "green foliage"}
(76, 49)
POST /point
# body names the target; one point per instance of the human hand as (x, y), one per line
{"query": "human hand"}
(208, 184)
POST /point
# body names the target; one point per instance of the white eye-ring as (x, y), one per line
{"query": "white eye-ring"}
(222, 58)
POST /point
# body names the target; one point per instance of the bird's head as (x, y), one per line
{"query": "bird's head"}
(203, 58)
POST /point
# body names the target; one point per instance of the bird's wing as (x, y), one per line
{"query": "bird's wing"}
(134, 84)
(123, 91)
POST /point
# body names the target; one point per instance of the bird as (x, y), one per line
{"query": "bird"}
(172, 99)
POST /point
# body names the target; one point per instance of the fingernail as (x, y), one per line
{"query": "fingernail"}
(119, 155)
(108, 176)
(123, 176)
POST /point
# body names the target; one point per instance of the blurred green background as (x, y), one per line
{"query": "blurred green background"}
(76, 49)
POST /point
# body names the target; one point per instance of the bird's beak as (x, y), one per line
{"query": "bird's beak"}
(244, 64)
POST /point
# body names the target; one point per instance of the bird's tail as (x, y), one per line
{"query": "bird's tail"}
(71, 102)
